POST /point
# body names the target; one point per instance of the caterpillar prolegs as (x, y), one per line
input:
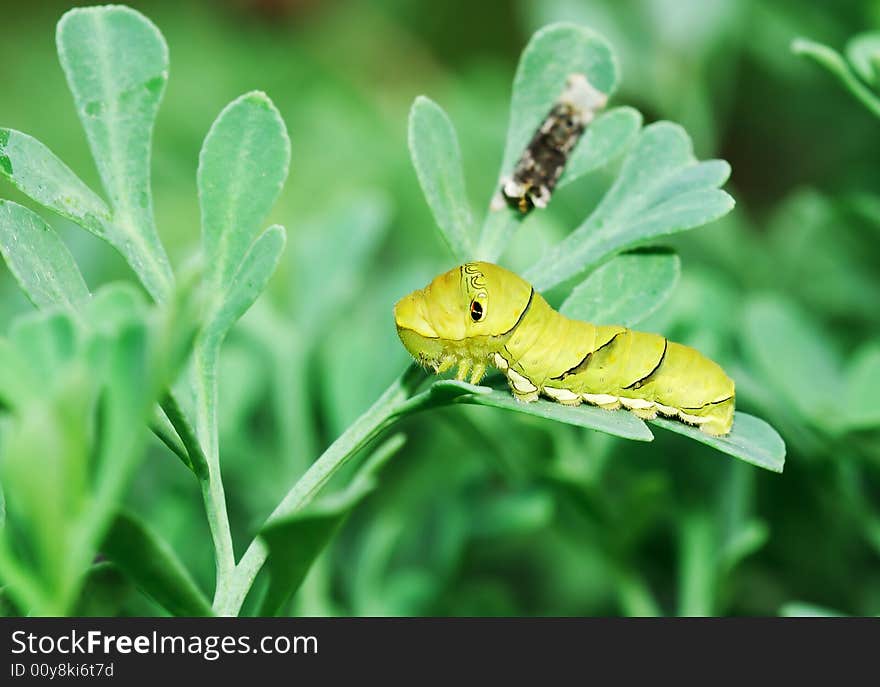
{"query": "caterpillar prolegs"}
(480, 314)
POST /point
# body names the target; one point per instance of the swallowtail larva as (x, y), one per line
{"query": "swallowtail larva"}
(544, 159)
(480, 314)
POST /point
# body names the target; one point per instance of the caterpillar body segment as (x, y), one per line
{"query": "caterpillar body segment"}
(480, 314)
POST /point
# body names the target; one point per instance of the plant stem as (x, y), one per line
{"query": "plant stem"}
(635, 597)
(391, 404)
(205, 358)
(837, 65)
(160, 427)
(194, 456)
(697, 568)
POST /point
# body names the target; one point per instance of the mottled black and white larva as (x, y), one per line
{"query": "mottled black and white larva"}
(480, 314)
(544, 159)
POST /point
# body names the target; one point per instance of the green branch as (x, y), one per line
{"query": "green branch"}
(398, 400)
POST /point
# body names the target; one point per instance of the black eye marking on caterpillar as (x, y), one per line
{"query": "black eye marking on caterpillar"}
(477, 311)
(544, 159)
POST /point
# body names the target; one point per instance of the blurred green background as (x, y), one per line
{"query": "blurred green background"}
(485, 512)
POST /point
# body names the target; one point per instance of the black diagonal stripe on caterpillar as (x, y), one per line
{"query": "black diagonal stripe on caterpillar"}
(503, 322)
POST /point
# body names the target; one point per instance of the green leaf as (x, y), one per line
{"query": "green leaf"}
(626, 289)
(38, 259)
(618, 423)
(661, 189)
(114, 306)
(433, 147)
(833, 61)
(138, 360)
(234, 296)
(450, 389)
(253, 274)
(174, 429)
(134, 379)
(18, 379)
(165, 432)
(242, 167)
(795, 358)
(36, 172)
(863, 52)
(862, 384)
(45, 466)
(552, 55)
(48, 341)
(295, 541)
(608, 137)
(748, 539)
(153, 566)
(751, 440)
(104, 593)
(116, 64)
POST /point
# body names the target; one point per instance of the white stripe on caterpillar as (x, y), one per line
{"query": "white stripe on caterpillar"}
(520, 383)
(565, 396)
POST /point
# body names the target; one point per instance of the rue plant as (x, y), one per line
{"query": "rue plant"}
(85, 374)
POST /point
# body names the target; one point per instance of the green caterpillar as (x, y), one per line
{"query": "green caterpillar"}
(480, 314)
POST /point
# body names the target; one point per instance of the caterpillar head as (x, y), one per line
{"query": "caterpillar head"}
(466, 313)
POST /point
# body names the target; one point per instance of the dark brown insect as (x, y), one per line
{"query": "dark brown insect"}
(544, 159)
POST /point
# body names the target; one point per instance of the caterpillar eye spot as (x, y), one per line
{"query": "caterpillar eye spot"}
(477, 311)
